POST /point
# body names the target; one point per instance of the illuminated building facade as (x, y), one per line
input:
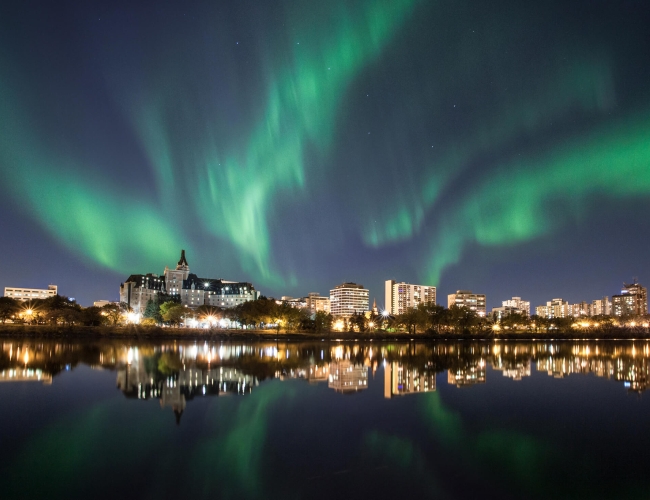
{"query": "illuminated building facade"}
(402, 296)
(556, 308)
(193, 291)
(517, 305)
(601, 307)
(348, 299)
(580, 310)
(465, 298)
(25, 294)
(632, 301)
(316, 303)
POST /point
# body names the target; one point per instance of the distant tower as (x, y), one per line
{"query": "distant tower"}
(375, 311)
(182, 263)
(174, 278)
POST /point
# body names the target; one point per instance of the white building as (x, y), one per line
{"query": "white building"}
(556, 308)
(465, 298)
(401, 296)
(102, 303)
(348, 299)
(25, 294)
(516, 303)
(193, 291)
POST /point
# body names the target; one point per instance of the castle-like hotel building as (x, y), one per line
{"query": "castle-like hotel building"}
(193, 291)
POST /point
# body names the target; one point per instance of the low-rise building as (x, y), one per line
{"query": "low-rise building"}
(465, 298)
(192, 291)
(102, 303)
(316, 303)
(26, 294)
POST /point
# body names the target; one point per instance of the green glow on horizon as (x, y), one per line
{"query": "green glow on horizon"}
(513, 205)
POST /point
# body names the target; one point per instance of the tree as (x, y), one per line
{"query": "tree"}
(435, 316)
(409, 319)
(172, 312)
(8, 307)
(112, 314)
(358, 322)
(323, 321)
(292, 317)
(91, 316)
(59, 309)
(461, 318)
(515, 321)
(152, 311)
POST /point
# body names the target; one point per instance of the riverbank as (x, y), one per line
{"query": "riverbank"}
(155, 332)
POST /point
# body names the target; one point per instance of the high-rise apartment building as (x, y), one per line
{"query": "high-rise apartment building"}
(556, 308)
(348, 299)
(25, 294)
(517, 305)
(465, 298)
(632, 301)
(580, 310)
(601, 307)
(401, 296)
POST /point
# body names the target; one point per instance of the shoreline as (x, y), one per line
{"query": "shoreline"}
(192, 334)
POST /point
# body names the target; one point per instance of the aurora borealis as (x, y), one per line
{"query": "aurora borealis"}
(501, 147)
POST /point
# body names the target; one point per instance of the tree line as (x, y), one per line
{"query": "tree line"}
(266, 313)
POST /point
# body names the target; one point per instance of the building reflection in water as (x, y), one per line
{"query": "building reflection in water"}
(346, 377)
(472, 374)
(400, 380)
(175, 380)
(175, 373)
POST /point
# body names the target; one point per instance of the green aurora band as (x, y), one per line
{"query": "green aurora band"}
(586, 87)
(237, 188)
(76, 206)
(232, 185)
(521, 200)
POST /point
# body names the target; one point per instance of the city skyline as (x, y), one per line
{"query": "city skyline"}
(296, 147)
(486, 309)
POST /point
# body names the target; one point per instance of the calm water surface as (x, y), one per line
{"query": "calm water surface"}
(324, 420)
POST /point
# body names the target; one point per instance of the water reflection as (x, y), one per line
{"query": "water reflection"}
(176, 373)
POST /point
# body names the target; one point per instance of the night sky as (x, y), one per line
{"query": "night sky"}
(502, 147)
